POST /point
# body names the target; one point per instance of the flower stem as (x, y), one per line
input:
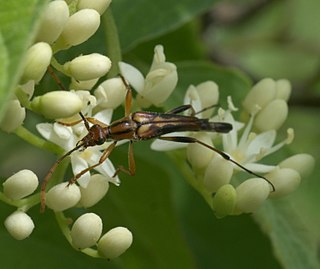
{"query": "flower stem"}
(112, 42)
(63, 223)
(189, 176)
(35, 140)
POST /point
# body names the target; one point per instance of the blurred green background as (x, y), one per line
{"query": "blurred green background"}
(234, 43)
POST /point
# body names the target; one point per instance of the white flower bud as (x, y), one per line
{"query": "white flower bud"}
(19, 225)
(160, 83)
(111, 93)
(283, 89)
(86, 231)
(83, 84)
(303, 163)
(272, 116)
(37, 60)
(53, 21)
(224, 201)
(260, 95)
(13, 117)
(217, 174)
(94, 191)
(285, 181)
(57, 104)
(98, 5)
(20, 185)
(115, 242)
(251, 194)
(161, 79)
(198, 155)
(209, 95)
(79, 27)
(61, 196)
(88, 67)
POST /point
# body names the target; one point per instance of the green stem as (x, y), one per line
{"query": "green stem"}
(23, 204)
(112, 42)
(57, 65)
(63, 223)
(189, 176)
(35, 140)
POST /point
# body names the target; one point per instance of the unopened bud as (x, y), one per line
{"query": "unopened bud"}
(98, 5)
(217, 174)
(62, 196)
(251, 194)
(111, 93)
(37, 60)
(160, 83)
(303, 163)
(285, 181)
(57, 104)
(19, 225)
(83, 84)
(115, 242)
(86, 231)
(20, 185)
(272, 116)
(53, 21)
(209, 95)
(88, 67)
(260, 95)
(94, 191)
(283, 89)
(13, 117)
(161, 79)
(79, 27)
(224, 200)
(198, 155)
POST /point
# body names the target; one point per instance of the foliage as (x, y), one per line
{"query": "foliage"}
(173, 227)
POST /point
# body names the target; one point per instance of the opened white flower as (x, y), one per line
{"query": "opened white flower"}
(250, 147)
(68, 136)
(158, 84)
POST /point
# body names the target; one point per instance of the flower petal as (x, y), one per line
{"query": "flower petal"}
(133, 75)
(259, 168)
(163, 145)
(263, 141)
(104, 116)
(107, 169)
(192, 98)
(78, 164)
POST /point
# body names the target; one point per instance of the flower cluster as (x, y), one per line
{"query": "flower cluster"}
(246, 144)
(62, 27)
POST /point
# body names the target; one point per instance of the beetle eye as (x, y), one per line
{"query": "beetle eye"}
(100, 141)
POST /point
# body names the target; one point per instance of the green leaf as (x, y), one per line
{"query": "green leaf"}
(143, 20)
(281, 40)
(17, 24)
(293, 245)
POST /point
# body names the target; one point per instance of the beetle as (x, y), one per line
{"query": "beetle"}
(139, 126)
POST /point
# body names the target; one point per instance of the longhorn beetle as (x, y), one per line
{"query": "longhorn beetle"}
(138, 126)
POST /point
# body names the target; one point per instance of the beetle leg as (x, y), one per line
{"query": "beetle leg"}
(128, 101)
(132, 165)
(103, 157)
(182, 108)
(48, 176)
